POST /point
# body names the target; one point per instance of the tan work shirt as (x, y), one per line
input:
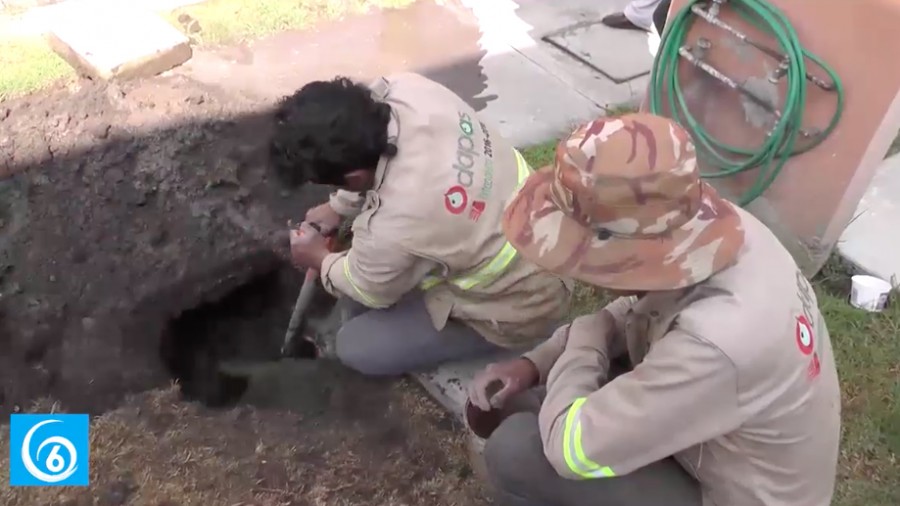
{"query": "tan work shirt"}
(435, 210)
(735, 377)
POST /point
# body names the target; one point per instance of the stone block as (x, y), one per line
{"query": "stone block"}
(118, 42)
(447, 384)
(871, 242)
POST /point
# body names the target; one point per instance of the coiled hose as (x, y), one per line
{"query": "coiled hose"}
(782, 143)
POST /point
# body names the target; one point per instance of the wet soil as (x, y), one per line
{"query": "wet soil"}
(122, 207)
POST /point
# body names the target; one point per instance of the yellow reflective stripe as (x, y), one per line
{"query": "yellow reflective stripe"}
(499, 263)
(363, 295)
(573, 452)
(522, 165)
(489, 272)
(429, 282)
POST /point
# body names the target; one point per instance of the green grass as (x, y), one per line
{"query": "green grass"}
(620, 109)
(867, 350)
(28, 65)
(228, 21)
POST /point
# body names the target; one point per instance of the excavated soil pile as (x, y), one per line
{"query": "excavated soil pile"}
(141, 242)
(127, 206)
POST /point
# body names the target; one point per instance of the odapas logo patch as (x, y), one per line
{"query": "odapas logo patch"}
(456, 199)
(805, 339)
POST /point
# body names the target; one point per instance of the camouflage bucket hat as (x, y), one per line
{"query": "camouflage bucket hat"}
(624, 208)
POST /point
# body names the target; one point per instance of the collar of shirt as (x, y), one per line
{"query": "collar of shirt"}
(380, 91)
(653, 305)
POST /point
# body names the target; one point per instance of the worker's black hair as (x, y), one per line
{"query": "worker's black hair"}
(327, 129)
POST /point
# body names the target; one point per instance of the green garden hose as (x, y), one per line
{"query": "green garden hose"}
(782, 143)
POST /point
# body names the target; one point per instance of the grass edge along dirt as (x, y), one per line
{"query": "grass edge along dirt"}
(231, 21)
(867, 350)
(30, 65)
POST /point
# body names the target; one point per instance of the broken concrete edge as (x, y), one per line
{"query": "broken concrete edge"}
(144, 66)
(868, 243)
(448, 383)
(858, 266)
(168, 49)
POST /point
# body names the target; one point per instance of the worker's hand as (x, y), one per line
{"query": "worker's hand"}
(325, 217)
(308, 247)
(498, 382)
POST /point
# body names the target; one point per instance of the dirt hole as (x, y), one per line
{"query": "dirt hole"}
(245, 325)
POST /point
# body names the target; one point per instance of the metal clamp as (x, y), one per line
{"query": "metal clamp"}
(711, 16)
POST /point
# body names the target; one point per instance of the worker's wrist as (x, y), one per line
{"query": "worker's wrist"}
(535, 378)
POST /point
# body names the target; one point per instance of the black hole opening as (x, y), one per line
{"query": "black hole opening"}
(246, 325)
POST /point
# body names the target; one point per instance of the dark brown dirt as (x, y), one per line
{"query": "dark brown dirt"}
(376, 446)
(127, 205)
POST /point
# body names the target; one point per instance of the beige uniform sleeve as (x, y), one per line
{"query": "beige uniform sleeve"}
(347, 204)
(682, 394)
(374, 273)
(546, 354)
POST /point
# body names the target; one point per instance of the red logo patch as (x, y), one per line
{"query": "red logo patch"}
(805, 340)
(456, 199)
(812, 371)
(477, 209)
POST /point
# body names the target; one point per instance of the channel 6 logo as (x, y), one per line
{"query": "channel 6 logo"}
(49, 450)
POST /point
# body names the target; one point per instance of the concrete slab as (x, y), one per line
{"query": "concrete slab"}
(519, 26)
(447, 384)
(123, 42)
(871, 241)
(532, 105)
(589, 42)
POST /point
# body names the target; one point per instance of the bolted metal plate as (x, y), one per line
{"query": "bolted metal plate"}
(620, 55)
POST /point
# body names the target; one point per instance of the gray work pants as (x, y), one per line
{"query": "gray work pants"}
(401, 339)
(522, 476)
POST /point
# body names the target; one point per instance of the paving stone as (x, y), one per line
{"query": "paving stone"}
(871, 242)
(118, 42)
(591, 41)
(447, 384)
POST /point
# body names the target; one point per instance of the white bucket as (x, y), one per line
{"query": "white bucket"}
(869, 293)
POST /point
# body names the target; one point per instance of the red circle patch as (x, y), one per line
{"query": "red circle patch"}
(456, 199)
(805, 340)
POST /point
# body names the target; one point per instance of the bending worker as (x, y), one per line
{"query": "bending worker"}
(733, 398)
(425, 181)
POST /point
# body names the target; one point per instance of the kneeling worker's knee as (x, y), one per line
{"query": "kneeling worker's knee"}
(354, 352)
(513, 452)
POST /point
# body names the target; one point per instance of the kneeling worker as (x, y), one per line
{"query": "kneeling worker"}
(733, 397)
(426, 183)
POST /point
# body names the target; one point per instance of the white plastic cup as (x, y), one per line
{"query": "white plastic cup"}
(869, 293)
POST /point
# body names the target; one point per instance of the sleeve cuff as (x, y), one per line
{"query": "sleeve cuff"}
(345, 203)
(547, 353)
(325, 274)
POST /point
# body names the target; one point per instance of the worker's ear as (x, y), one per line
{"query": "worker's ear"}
(360, 180)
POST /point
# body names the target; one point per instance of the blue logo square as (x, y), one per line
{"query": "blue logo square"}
(49, 450)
